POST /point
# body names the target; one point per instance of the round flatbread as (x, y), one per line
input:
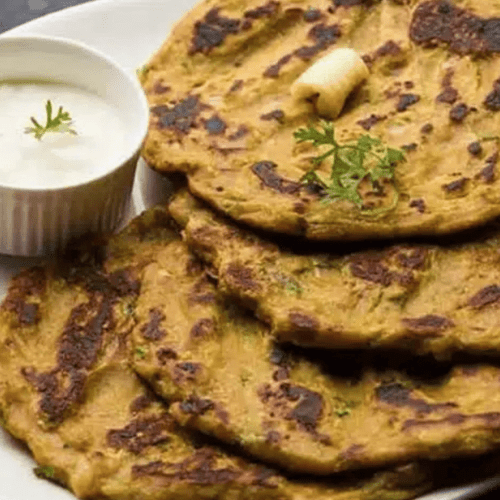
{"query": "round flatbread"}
(223, 374)
(67, 390)
(421, 298)
(222, 112)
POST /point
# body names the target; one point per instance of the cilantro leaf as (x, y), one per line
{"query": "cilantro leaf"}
(344, 407)
(44, 472)
(366, 158)
(317, 138)
(366, 142)
(140, 352)
(60, 123)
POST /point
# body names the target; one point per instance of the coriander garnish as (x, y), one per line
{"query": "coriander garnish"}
(293, 287)
(366, 158)
(44, 472)
(344, 408)
(142, 70)
(60, 123)
(140, 352)
(489, 137)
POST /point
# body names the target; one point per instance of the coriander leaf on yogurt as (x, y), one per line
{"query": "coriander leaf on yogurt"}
(61, 123)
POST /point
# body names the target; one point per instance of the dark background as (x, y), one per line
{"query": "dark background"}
(16, 12)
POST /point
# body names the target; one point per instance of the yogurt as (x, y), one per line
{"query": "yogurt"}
(58, 159)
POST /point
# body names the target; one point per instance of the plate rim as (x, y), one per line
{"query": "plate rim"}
(92, 7)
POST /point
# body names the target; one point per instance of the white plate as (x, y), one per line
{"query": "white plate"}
(129, 31)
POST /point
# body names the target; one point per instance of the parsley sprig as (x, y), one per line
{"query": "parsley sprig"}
(61, 123)
(366, 158)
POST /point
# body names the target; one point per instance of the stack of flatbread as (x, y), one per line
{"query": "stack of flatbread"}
(264, 336)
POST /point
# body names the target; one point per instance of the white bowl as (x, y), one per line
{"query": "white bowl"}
(38, 221)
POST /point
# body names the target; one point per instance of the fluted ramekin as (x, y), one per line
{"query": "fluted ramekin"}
(39, 221)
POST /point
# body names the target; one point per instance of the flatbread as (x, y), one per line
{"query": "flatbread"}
(425, 298)
(224, 376)
(67, 390)
(222, 112)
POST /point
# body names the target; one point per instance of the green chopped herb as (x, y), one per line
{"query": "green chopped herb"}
(245, 376)
(396, 123)
(293, 287)
(343, 413)
(45, 472)
(140, 352)
(344, 408)
(366, 158)
(128, 308)
(290, 284)
(328, 262)
(142, 70)
(407, 384)
(488, 137)
(61, 123)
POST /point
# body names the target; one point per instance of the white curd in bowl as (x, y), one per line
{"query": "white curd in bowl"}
(64, 186)
(59, 158)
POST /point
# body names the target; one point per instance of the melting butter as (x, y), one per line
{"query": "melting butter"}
(331, 79)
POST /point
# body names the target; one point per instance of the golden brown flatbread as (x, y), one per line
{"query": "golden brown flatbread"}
(425, 298)
(222, 112)
(67, 390)
(224, 375)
